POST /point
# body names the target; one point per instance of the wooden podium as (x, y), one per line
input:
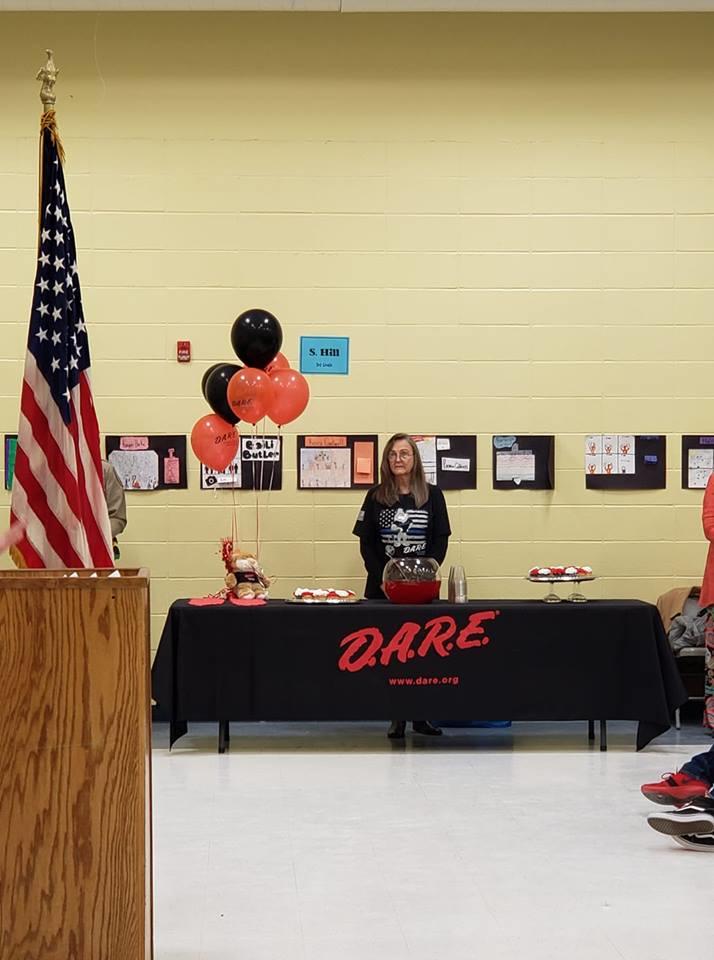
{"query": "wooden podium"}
(75, 766)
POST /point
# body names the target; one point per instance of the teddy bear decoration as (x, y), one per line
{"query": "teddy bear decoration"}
(245, 578)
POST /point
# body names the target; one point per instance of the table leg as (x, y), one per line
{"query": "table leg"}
(224, 735)
(177, 728)
(603, 735)
(591, 729)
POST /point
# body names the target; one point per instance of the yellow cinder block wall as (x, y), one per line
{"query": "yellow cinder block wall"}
(512, 218)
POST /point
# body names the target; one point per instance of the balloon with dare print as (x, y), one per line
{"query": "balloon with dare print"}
(214, 442)
(250, 393)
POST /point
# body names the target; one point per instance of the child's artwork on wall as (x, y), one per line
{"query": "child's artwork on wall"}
(258, 465)
(607, 454)
(523, 462)
(337, 462)
(697, 461)
(449, 461)
(625, 461)
(148, 462)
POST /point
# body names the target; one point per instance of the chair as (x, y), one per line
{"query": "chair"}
(690, 660)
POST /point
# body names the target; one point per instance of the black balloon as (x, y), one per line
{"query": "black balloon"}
(256, 337)
(215, 384)
(207, 374)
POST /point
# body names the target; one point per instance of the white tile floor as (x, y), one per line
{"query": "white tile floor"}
(325, 842)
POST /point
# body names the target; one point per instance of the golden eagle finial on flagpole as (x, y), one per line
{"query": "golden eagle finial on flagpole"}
(48, 76)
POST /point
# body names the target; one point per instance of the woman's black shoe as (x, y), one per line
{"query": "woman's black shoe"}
(426, 728)
(397, 729)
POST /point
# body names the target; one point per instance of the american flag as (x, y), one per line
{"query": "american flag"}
(403, 531)
(57, 492)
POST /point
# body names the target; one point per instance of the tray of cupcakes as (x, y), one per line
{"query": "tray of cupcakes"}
(557, 574)
(323, 595)
(561, 574)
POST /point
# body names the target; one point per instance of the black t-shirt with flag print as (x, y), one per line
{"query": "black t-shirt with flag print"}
(400, 530)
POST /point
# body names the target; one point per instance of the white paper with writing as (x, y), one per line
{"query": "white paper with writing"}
(700, 466)
(518, 467)
(455, 464)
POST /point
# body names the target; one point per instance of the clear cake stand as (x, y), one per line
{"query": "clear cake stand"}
(575, 596)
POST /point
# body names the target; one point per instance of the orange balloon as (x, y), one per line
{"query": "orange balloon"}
(290, 396)
(250, 393)
(280, 362)
(214, 441)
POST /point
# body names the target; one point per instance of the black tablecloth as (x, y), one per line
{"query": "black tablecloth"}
(526, 660)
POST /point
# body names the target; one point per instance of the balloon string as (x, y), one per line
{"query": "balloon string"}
(273, 453)
(257, 507)
(262, 454)
(234, 520)
(234, 517)
(278, 452)
(314, 546)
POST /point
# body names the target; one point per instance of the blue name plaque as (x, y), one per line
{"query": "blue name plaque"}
(325, 355)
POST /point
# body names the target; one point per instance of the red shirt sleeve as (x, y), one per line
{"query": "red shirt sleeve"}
(708, 510)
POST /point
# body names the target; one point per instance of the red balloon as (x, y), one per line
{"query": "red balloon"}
(280, 362)
(250, 393)
(214, 441)
(290, 396)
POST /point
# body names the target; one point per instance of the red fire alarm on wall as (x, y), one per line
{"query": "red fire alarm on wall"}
(183, 351)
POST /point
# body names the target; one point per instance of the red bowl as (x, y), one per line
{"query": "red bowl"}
(412, 591)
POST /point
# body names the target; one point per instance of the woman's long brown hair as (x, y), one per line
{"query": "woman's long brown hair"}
(387, 491)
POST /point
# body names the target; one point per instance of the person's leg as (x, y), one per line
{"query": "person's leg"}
(397, 729)
(693, 780)
(701, 766)
(709, 671)
(426, 728)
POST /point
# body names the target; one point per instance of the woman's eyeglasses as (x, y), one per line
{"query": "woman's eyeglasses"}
(400, 455)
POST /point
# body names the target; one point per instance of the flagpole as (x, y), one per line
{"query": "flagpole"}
(57, 491)
(48, 76)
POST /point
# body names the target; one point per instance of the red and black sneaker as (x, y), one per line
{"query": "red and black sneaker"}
(675, 788)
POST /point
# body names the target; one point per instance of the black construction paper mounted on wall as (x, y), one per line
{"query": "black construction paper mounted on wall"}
(523, 462)
(618, 461)
(148, 462)
(449, 460)
(337, 461)
(697, 461)
(258, 465)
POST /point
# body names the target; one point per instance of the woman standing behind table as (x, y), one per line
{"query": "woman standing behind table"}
(403, 516)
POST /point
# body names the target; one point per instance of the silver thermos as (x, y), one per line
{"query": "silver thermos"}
(458, 586)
